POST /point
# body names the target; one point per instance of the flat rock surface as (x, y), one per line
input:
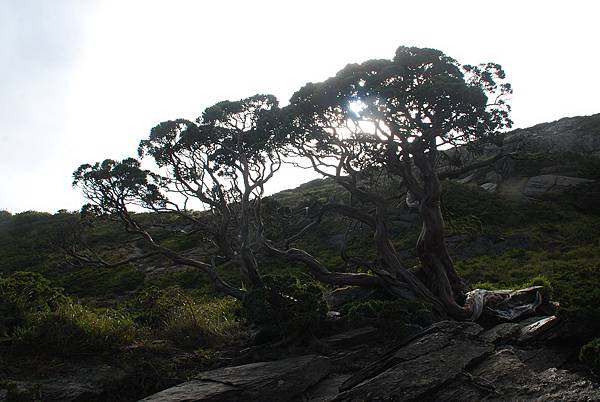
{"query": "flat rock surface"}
(417, 369)
(280, 380)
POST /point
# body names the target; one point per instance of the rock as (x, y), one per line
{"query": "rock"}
(417, 369)
(280, 380)
(504, 377)
(538, 329)
(550, 184)
(352, 337)
(490, 187)
(466, 179)
(540, 358)
(502, 332)
(3, 395)
(327, 390)
(570, 134)
(87, 383)
(493, 177)
(513, 380)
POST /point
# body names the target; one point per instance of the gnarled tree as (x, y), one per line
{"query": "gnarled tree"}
(217, 165)
(394, 116)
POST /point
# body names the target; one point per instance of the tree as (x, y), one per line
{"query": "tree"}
(218, 164)
(393, 117)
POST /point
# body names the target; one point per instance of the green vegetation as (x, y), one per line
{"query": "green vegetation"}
(391, 315)
(52, 308)
(590, 353)
(289, 306)
(73, 329)
(24, 293)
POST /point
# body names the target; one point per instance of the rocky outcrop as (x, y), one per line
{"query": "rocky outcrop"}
(545, 159)
(571, 134)
(550, 184)
(280, 380)
(504, 377)
(449, 361)
(425, 364)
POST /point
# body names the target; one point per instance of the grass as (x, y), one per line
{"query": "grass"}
(73, 329)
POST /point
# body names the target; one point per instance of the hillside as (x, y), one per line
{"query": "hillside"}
(77, 332)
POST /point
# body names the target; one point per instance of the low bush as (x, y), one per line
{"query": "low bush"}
(90, 282)
(590, 353)
(388, 314)
(73, 329)
(194, 324)
(23, 293)
(153, 307)
(288, 305)
(187, 321)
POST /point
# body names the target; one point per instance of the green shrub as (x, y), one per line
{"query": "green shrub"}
(186, 321)
(86, 282)
(288, 305)
(23, 293)
(590, 353)
(195, 325)
(153, 307)
(74, 329)
(389, 314)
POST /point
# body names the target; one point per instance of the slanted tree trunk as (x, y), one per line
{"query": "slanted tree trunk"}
(438, 269)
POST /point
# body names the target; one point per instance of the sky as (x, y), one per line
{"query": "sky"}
(83, 80)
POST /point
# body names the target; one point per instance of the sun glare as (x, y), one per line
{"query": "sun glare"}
(357, 106)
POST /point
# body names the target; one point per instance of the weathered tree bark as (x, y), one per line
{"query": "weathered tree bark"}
(440, 276)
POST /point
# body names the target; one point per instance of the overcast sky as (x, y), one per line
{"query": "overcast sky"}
(81, 81)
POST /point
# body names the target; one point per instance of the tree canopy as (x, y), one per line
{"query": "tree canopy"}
(381, 123)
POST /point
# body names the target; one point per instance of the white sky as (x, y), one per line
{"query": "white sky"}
(81, 81)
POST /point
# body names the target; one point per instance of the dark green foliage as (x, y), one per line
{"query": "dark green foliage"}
(73, 329)
(584, 197)
(99, 281)
(388, 314)
(187, 321)
(590, 353)
(462, 201)
(195, 324)
(185, 279)
(24, 293)
(289, 305)
(153, 307)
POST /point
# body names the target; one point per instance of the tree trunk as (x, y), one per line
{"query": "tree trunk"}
(432, 251)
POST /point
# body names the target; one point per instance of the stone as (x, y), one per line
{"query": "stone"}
(538, 329)
(504, 377)
(493, 177)
(352, 337)
(513, 380)
(86, 383)
(490, 187)
(280, 380)
(417, 369)
(550, 184)
(327, 390)
(502, 332)
(467, 179)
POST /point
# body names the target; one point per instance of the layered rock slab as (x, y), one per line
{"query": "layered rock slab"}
(280, 380)
(416, 370)
(504, 377)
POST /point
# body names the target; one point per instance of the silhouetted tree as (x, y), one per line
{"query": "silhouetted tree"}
(218, 165)
(384, 121)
